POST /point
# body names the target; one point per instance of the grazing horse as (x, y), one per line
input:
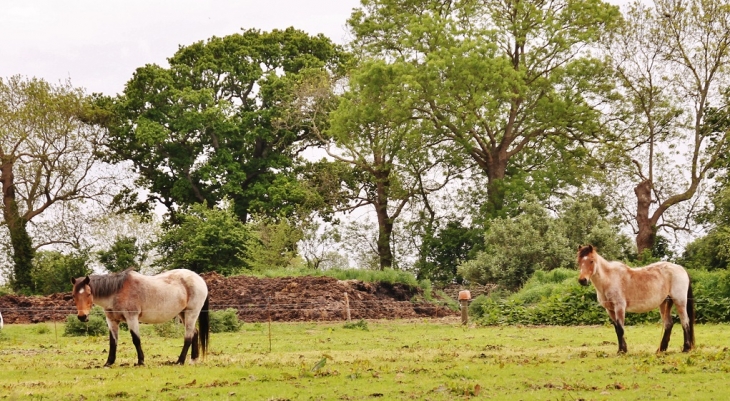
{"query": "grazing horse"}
(621, 289)
(133, 298)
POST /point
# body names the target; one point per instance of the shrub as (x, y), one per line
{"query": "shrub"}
(52, 271)
(96, 326)
(225, 321)
(170, 329)
(359, 325)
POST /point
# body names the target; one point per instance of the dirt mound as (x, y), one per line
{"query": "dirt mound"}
(258, 299)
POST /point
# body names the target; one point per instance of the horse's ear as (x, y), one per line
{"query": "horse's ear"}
(73, 281)
(590, 248)
(87, 280)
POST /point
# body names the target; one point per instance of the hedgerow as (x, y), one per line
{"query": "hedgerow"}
(556, 298)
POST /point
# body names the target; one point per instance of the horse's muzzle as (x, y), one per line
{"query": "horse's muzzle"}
(583, 281)
(83, 318)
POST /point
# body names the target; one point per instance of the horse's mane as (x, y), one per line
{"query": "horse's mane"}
(104, 285)
(585, 251)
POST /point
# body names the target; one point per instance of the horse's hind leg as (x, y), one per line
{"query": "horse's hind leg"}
(191, 337)
(665, 310)
(686, 325)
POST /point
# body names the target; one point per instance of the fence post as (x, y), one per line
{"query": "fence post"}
(464, 298)
(347, 307)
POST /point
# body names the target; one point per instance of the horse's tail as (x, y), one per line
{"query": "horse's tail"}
(204, 326)
(691, 314)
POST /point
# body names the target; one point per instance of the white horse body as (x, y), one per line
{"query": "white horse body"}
(622, 289)
(164, 298)
(135, 298)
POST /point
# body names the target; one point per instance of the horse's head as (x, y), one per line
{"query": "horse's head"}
(586, 263)
(82, 297)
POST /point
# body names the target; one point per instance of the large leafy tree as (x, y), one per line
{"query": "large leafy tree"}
(510, 83)
(48, 164)
(671, 62)
(393, 158)
(204, 128)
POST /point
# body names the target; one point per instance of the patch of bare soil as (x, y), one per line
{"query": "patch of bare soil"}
(261, 299)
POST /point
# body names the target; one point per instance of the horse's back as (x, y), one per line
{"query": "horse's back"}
(169, 293)
(647, 287)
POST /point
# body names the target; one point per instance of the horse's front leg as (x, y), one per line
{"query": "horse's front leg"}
(617, 315)
(133, 323)
(113, 339)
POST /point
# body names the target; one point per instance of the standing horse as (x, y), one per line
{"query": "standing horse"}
(621, 289)
(133, 298)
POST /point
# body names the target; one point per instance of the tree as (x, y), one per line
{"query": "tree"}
(204, 129)
(393, 158)
(48, 162)
(510, 83)
(124, 253)
(206, 240)
(670, 61)
(442, 253)
(514, 248)
(52, 271)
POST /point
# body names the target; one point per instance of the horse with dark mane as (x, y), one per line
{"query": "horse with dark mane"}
(133, 298)
(621, 289)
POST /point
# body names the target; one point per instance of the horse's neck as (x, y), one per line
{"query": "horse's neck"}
(104, 302)
(603, 270)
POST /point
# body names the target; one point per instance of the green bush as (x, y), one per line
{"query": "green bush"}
(225, 321)
(96, 326)
(359, 325)
(170, 329)
(546, 300)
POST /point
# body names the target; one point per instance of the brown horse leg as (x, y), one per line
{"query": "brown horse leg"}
(113, 335)
(665, 310)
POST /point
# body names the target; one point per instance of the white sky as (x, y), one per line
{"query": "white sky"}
(98, 44)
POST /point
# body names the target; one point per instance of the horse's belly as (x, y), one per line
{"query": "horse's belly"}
(644, 305)
(161, 312)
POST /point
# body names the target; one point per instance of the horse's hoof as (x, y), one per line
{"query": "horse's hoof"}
(139, 364)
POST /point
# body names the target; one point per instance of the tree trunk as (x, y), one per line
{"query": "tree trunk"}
(21, 242)
(385, 223)
(646, 235)
(496, 170)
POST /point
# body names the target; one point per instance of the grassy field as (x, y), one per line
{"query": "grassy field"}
(393, 360)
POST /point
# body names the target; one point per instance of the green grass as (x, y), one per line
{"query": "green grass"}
(393, 360)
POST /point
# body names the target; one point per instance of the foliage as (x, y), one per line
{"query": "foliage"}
(359, 325)
(225, 321)
(208, 239)
(52, 271)
(170, 329)
(207, 128)
(271, 244)
(443, 253)
(556, 298)
(123, 254)
(95, 326)
(509, 84)
(48, 156)
(515, 248)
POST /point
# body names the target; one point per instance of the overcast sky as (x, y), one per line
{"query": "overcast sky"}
(98, 44)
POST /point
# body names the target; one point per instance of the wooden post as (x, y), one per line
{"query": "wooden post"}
(464, 298)
(347, 307)
(268, 301)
